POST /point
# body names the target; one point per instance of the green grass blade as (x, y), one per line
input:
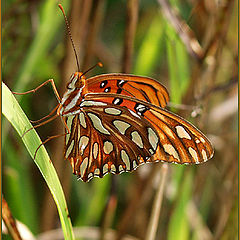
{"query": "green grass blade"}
(151, 48)
(13, 112)
(179, 228)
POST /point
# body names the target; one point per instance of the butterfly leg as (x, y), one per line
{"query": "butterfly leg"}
(43, 84)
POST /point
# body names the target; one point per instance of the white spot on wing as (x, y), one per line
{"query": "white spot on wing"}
(121, 126)
(204, 154)
(202, 140)
(105, 168)
(193, 154)
(168, 148)
(97, 171)
(69, 149)
(134, 164)
(136, 138)
(83, 142)
(120, 168)
(95, 150)
(113, 111)
(90, 176)
(134, 114)
(97, 123)
(82, 119)
(153, 138)
(182, 133)
(197, 141)
(83, 166)
(92, 103)
(125, 159)
(113, 168)
(107, 147)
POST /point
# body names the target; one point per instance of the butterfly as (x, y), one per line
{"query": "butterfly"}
(117, 122)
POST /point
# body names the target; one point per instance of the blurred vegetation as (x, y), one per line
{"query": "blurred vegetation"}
(199, 66)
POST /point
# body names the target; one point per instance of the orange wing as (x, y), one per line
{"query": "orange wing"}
(143, 88)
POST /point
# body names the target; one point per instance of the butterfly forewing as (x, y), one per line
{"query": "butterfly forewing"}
(142, 88)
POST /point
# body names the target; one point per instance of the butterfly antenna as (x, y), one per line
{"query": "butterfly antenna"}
(70, 35)
(98, 64)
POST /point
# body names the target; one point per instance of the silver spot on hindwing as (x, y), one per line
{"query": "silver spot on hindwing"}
(121, 126)
(202, 140)
(95, 150)
(135, 164)
(69, 149)
(97, 172)
(136, 138)
(125, 159)
(113, 168)
(107, 147)
(105, 168)
(83, 166)
(113, 111)
(83, 142)
(92, 103)
(120, 169)
(90, 176)
(197, 141)
(82, 119)
(153, 138)
(168, 148)
(97, 123)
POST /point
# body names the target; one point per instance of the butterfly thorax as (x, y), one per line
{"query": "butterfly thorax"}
(73, 96)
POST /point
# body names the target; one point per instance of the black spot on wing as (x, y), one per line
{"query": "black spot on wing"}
(117, 101)
(103, 83)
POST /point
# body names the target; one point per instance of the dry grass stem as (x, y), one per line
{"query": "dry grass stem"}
(10, 221)
(156, 209)
(93, 32)
(131, 24)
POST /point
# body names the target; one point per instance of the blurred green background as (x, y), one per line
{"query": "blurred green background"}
(199, 67)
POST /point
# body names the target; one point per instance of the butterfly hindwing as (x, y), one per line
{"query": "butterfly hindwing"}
(111, 139)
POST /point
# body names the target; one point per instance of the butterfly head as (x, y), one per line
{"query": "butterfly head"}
(77, 81)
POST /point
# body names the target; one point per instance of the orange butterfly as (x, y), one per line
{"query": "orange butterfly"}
(118, 121)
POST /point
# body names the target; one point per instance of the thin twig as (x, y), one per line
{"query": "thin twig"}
(131, 24)
(110, 209)
(94, 29)
(156, 209)
(138, 197)
(10, 221)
